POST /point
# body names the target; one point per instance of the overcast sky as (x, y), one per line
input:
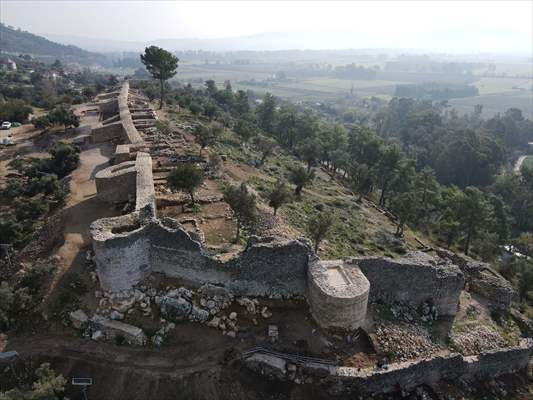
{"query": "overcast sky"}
(447, 25)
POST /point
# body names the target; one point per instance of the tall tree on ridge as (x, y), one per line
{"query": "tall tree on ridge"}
(162, 66)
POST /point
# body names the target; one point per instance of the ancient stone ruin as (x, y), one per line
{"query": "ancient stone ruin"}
(128, 248)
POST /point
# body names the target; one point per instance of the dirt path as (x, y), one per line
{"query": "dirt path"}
(82, 207)
(175, 360)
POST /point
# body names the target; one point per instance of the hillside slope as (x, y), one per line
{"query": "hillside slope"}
(22, 42)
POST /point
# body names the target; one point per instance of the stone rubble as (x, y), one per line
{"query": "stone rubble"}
(476, 339)
(404, 341)
(407, 312)
(206, 305)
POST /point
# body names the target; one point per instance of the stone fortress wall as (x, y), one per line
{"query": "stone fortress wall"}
(413, 279)
(406, 375)
(130, 247)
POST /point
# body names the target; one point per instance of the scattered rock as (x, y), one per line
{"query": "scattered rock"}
(122, 305)
(78, 319)
(97, 335)
(404, 341)
(175, 309)
(214, 322)
(115, 315)
(265, 313)
(199, 314)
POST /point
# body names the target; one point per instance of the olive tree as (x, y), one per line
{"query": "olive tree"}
(243, 204)
(318, 226)
(279, 195)
(186, 178)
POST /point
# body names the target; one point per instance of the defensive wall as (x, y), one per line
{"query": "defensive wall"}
(405, 375)
(130, 247)
(413, 279)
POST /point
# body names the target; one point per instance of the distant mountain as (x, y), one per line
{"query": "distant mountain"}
(269, 41)
(21, 42)
(97, 45)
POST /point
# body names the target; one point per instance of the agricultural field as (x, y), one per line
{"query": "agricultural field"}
(496, 103)
(324, 88)
(503, 85)
(219, 73)
(496, 94)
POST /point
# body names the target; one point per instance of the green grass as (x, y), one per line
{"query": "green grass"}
(359, 230)
(349, 237)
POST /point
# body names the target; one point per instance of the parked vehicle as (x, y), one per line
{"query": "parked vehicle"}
(6, 125)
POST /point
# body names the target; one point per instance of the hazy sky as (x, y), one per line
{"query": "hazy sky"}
(442, 25)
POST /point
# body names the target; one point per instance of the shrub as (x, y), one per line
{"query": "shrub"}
(65, 158)
(279, 195)
(7, 299)
(243, 205)
(14, 111)
(30, 209)
(318, 227)
(186, 178)
(300, 177)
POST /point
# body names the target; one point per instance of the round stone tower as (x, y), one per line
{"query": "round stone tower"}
(337, 294)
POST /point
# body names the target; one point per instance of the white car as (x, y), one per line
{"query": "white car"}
(6, 125)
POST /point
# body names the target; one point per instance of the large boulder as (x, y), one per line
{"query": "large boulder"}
(113, 329)
(175, 309)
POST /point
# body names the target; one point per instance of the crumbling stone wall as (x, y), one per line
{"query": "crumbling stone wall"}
(124, 129)
(131, 135)
(107, 133)
(413, 279)
(483, 280)
(271, 266)
(174, 253)
(168, 248)
(122, 153)
(406, 375)
(109, 108)
(144, 185)
(117, 183)
(454, 366)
